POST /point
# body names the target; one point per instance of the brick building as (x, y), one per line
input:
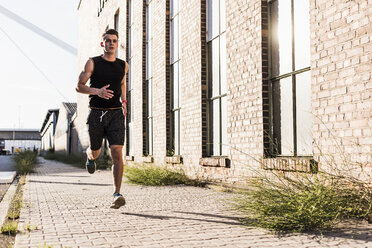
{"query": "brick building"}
(228, 87)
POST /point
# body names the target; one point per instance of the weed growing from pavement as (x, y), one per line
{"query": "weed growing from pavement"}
(298, 205)
(47, 246)
(29, 227)
(298, 202)
(10, 228)
(153, 175)
(14, 209)
(25, 162)
(16, 203)
(10, 225)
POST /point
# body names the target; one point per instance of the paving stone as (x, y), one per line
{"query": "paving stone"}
(56, 199)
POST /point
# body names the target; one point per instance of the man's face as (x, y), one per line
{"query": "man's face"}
(110, 42)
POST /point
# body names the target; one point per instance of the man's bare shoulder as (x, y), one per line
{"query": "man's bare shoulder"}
(89, 65)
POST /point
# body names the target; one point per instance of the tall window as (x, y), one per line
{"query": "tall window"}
(216, 69)
(149, 83)
(116, 27)
(175, 74)
(290, 77)
(129, 78)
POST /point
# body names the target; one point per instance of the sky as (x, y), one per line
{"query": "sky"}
(36, 74)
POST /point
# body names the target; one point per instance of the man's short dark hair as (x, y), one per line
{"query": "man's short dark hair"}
(111, 31)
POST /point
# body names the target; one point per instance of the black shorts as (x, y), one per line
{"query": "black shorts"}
(106, 123)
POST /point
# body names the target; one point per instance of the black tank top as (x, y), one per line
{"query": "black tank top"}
(104, 73)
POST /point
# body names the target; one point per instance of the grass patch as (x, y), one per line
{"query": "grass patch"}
(29, 227)
(25, 162)
(102, 162)
(10, 225)
(16, 203)
(77, 161)
(15, 209)
(307, 202)
(152, 175)
(10, 228)
(48, 246)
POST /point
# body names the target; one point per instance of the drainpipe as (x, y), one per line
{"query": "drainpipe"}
(70, 121)
(13, 141)
(68, 133)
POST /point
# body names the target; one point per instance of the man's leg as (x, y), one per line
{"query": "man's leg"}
(92, 155)
(96, 132)
(115, 135)
(118, 167)
(117, 171)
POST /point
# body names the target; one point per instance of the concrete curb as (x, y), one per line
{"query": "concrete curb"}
(5, 203)
(7, 176)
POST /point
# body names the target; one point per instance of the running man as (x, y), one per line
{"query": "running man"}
(108, 107)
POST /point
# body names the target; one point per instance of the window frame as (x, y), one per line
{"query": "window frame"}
(129, 119)
(221, 149)
(175, 61)
(149, 80)
(274, 83)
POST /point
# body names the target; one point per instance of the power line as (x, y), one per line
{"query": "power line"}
(38, 31)
(32, 62)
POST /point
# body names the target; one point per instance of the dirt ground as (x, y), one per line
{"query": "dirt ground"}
(3, 189)
(5, 240)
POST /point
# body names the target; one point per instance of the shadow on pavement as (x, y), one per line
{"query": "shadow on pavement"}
(52, 182)
(355, 233)
(51, 175)
(162, 217)
(210, 215)
(349, 232)
(364, 234)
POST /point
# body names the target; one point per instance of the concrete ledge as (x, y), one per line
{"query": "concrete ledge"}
(148, 159)
(7, 176)
(218, 161)
(295, 164)
(129, 158)
(173, 160)
(5, 203)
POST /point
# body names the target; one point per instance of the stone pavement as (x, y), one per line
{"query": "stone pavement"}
(71, 209)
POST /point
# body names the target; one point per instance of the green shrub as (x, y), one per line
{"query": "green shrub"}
(25, 161)
(307, 202)
(15, 210)
(152, 175)
(77, 161)
(102, 162)
(9, 228)
(50, 155)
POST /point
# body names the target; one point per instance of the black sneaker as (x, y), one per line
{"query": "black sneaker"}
(91, 166)
(118, 201)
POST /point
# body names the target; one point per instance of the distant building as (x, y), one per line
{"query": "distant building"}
(48, 130)
(65, 137)
(16, 140)
(224, 88)
(58, 132)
